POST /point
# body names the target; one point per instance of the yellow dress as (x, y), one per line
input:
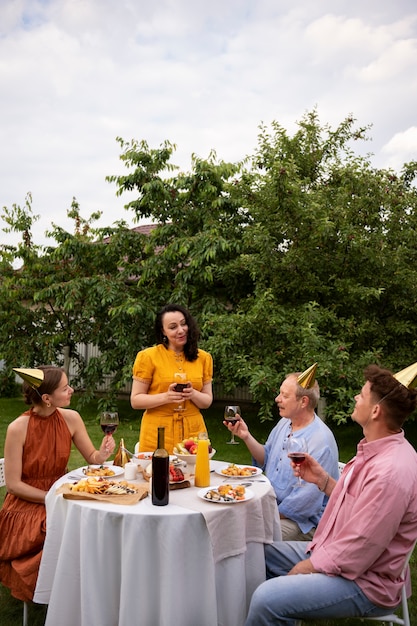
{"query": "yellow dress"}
(157, 366)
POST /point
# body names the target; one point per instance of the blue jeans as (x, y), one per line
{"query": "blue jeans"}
(282, 600)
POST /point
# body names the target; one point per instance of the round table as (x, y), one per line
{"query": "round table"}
(190, 562)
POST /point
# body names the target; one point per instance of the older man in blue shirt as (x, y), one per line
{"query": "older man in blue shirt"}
(300, 508)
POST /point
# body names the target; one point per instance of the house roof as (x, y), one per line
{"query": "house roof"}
(145, 229)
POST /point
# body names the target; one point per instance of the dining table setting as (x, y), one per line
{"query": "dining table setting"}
(112, 558)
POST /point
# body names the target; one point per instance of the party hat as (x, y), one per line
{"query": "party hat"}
(408, 376)
(33, 377)
(307, 378)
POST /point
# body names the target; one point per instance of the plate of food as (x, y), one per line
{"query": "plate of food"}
(106, 471)
(239, 471)
(226, 494)
(144, 458)
(104, 489)
(176, 473)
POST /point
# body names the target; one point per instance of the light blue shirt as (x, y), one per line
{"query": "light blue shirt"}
(304, 505)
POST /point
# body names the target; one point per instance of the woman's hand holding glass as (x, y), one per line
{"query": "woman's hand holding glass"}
(183, 388)
(107, 446)
(109, 421)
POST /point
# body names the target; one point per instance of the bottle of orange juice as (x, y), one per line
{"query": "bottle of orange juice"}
(202, 463)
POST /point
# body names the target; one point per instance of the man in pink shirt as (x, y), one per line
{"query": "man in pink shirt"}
(353, 566)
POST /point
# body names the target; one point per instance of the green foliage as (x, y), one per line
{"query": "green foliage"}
(302, 252)
(8, 386)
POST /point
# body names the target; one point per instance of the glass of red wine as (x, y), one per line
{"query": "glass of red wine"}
(180, 379)
(296, 450)
(230, 413)
(109, 422)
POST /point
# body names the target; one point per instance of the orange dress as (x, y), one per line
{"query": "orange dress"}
(22, 523)
(157, 366)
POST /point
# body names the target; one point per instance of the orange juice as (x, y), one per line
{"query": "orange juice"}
(202, 464)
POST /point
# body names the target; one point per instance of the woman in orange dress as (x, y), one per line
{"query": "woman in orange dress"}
(36, 452)
(154, 386)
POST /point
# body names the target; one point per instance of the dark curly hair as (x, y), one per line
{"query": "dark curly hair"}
(51, 381)
(399, 401)
(191, 347)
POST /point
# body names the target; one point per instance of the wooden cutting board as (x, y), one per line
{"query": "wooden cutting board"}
(128, 498)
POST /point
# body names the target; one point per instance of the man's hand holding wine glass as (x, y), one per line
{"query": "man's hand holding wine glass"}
(311, 471)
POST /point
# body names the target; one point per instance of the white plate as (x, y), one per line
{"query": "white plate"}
(118, 471)
(147, 457)
(202, 494)
(256, 471)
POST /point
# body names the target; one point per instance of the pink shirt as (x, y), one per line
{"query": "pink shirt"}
(370, 522)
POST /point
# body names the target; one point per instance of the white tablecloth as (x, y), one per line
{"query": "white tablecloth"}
(191, 562)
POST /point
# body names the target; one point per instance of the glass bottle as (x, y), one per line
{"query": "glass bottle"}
(121, 457)
(202, 463)
(160, 471)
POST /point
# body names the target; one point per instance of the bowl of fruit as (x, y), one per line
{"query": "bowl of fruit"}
(186, 450)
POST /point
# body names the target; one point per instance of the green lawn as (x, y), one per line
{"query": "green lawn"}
(346, 436)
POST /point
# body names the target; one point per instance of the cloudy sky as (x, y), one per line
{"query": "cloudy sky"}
(76, 74)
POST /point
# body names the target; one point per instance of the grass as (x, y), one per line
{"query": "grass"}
(347, 437)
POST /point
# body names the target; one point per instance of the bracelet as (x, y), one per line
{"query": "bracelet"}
(325, 483)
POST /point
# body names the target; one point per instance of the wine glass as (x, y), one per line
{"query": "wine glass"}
(296, 450)
(109, 421)
(230, 417)
(181, 379)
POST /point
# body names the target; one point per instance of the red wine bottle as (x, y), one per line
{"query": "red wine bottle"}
(160, 472)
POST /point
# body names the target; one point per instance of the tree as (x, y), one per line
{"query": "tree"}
(284, 257)
(303, 252)
(332, 259)
(191, 254)
(64, 297)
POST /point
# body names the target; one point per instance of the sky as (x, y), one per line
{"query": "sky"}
(77, 74)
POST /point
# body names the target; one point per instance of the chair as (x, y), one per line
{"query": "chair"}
(341, 466)
(390, 618)
(2, 484)
(2, 477)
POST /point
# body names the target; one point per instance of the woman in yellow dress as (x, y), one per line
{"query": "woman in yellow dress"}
(155, 381)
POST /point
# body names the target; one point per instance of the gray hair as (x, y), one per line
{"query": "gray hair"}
(312, 394)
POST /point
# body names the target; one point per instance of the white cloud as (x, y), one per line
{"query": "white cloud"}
(74, 74)
(401, 148)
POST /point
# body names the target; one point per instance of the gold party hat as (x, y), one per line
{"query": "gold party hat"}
(33, 377)
(408, 376)
(307, 378)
